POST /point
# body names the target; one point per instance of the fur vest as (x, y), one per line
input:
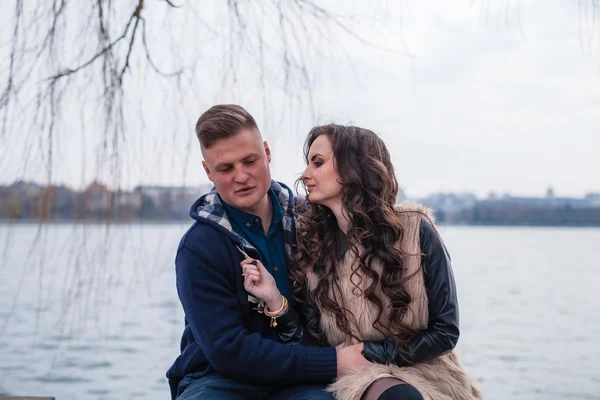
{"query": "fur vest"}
(441, 378)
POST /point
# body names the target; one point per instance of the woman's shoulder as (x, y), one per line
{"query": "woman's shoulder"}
(419, 222)
(415, 213)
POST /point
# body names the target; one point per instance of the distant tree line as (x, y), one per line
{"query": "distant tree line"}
(518, 215)
(521, 211)
(24, 201)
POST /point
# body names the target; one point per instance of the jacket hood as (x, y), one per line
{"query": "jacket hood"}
(209, 209)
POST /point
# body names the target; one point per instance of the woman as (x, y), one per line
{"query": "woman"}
(372, 275)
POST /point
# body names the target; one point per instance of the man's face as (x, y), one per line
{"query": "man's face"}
(239, 168)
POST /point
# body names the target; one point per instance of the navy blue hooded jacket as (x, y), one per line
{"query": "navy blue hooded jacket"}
(223, 333)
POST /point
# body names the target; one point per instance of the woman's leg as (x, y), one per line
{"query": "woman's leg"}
(403, 391)
(391, 389)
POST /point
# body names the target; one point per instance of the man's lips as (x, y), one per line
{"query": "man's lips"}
(244, 190)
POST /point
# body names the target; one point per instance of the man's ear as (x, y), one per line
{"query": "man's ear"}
(206, 170)
(267, 150)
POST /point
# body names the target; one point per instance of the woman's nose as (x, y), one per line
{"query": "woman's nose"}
(304, 175)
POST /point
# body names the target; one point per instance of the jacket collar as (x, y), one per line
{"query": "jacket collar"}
(209, 209)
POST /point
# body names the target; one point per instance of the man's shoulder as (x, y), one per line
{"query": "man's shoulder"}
(205, 247)
(201, 238)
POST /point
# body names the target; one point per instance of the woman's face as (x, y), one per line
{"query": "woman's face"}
(321, 177)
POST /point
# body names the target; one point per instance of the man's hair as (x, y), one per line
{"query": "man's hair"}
(221, 122)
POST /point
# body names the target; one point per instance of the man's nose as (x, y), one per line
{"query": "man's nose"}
(241, 176)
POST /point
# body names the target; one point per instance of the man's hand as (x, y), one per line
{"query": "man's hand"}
(349, 357)
(260, 283)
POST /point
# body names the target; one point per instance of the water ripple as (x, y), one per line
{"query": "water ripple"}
(60, 379)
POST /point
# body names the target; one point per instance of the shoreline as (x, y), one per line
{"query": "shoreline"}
(5, 221)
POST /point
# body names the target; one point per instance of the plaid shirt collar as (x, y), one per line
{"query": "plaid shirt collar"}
(211, 208)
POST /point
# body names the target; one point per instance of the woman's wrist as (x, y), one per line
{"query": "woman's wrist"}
(275, 301)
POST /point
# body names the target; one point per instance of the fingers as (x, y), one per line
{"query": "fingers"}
(251, 276)
(255, 269)
(250, 273)
(251, 261)
(250, 281)
(248, 268)
(257, 263)
(252, 265)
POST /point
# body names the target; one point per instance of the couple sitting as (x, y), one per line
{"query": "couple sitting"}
(342, 295)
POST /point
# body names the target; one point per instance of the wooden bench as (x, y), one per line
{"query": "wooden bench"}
(25, 398)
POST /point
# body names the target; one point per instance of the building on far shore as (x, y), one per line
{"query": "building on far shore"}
(552, 210)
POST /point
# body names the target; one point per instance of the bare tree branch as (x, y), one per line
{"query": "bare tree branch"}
(149, 58)
(86, 53)
(135, 15)
(6, 94)
(171, 4)
(126, 64)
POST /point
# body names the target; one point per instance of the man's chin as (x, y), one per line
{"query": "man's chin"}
(246, 202)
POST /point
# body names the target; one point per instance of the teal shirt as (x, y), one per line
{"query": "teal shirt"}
(271, 246)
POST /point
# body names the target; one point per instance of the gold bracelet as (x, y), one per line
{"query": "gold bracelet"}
(274, 315)
(270, 313)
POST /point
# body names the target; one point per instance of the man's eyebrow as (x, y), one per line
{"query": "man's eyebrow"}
(224, 165)
(253, 155)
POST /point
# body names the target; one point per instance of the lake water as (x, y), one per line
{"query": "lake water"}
(90, 312)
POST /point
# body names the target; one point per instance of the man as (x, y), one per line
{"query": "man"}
(228, 348)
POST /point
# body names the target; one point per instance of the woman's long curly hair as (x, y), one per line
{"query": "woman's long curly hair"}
(369, 193)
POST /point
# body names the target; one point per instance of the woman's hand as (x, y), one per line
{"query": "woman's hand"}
(260, 283)
(350, 357)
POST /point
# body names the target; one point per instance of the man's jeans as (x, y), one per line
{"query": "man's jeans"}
(215, 386)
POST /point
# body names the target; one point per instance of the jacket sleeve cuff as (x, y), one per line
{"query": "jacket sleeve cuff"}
(289, 327)
(321, 364)
(290, 316)
(374, 351)
(386, 351)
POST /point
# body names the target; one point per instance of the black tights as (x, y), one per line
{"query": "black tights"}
(401, 392)
(391, 389)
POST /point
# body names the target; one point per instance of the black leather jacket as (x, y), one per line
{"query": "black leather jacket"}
(442, 332)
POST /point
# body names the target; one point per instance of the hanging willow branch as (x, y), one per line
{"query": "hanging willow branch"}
(89, 52)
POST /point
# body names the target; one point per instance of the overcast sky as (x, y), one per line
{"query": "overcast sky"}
(499, 96)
